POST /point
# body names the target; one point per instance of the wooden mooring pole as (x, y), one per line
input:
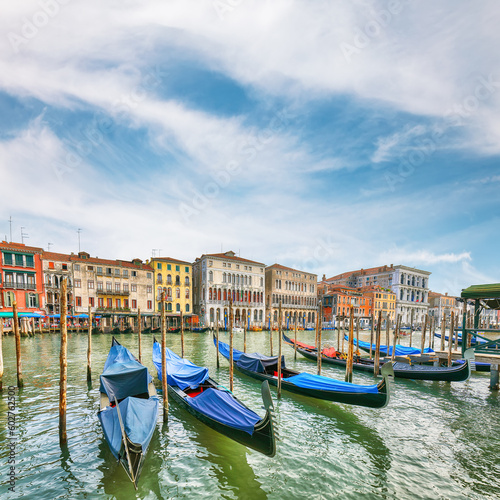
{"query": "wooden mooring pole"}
(395, 338)
(422, 347)
(271, 336)
(319, 331)
(387, 329)
(139, 332)
(295, 343)
(371, 336)
(279, 350)
(350, 352)
(411, 326)
(376, 364)
(164, 358)
(217, 338)
(357, 335)
(182, 335)
(63, 362)
(450, 337)
(231, 341)
(443, 331)
(89, 350)
(17, 334)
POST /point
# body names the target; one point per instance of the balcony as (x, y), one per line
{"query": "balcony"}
(19, 286)
(167, 299)
(113, 292)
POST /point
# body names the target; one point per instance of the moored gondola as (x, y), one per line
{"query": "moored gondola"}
(455, 373)
(214, 405)
(263, 367)
(128, 408)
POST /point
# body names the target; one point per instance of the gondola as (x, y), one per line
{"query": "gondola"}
(473, 340)
(199, 329)
(214, 405)
(263, 367)
(401, 350)
(128, 408)
(457, 373)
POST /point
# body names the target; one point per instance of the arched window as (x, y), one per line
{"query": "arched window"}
(234, 279)
(225, 294)
(209, 294)
(177, 307)
(178, 293)
(186, 280)
(187, 293)
(169, 279)
(177, 280)
(169, 306)
(223, 277)
(210, 276)
(159, 278)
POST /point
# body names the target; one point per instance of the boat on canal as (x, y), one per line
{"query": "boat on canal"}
(265, 368)
(401, 350)
(459, 372)
(192, 388)
(128, 408)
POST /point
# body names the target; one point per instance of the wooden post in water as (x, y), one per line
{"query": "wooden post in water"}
(89, 350)
(357, 335)
(245, 334)
(376, 364)
(295, 343)
(279, 350)
(139, 332)
(271, 335)
(217, 338)
(182, 335)
(423, 335)
(443, 331)
(231, 341)
(450, 337)
(338, 332)
(1, 354)
(63, 361)
(395, 338)
(164, 387)
(319, 329)
(15, 324)
(350, 352)
(371, 336)
(343, 333)
(387, 329)
(432, 331)
(411, 326)
(455, 333)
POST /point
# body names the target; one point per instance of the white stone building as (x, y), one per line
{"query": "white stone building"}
(216, 277)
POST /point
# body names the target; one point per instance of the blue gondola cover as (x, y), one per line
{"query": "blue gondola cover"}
(318, 382)
(123, 375)
(400, 349)
(139, 420)
(180, 372)
(221, 406)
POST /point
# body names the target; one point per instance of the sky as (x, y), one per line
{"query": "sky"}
(326, 136)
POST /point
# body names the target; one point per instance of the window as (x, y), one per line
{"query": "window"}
(177, 307)
(134, 304)
(110, 303)
(51, 264)
(64, 267)
(177, 293)
(100, 302)
(178, 269)
(19, 259)
(187, 293)
(125, 287)
(186, 280)
(99, 270)
(210, 276)
(91, 301)
(158, 266)
(90, 284)
(109, 286)
(89, 268)
(187, 308)
(76, 267)
(99, 286)
(133, 273)
(118, 303)
(125, 303)
(148, 276)
(29, 261)
(32, 300)
(133, 288)
(78, 301)
(117, 272)
(150, 304)
(78, 283)
(7, 260)
(109, 271)
(169, 267)
(186, 269)
(8, 299)
(223, 264)
(117, 287)
(149, 289)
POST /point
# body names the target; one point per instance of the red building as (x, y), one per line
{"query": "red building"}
(21, 277)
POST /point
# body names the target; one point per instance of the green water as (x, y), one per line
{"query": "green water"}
(435, 440)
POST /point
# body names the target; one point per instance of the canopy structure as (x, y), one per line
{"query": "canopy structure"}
(485, 297)
(181, 372)
(318, 382)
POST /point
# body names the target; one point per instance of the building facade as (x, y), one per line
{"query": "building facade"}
(219, 276)
(21, 277)
(410, 285)
(57, 266)
(297, 291)
(174, 278)
(443, 305)
(382, 300)
(337, 301)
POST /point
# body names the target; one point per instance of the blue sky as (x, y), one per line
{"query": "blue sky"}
(326, 136)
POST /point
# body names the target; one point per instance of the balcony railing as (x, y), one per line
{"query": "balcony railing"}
(19, 286)
(113, 292)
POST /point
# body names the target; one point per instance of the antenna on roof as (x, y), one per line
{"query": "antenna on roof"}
(23, 235)
(10, 223)
(79, 231)
(159, 252)
(48, 246)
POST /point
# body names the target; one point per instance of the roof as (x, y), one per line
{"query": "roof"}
(284, 268)
(231, 256)
(19, 247)
(93, 260)
(482, 291)
(363, 272)
(169, 259)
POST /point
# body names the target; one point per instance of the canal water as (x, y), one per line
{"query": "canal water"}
(435, 440)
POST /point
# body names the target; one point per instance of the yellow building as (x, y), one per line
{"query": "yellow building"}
(174, 277)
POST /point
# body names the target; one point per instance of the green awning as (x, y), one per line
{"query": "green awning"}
(482, 292)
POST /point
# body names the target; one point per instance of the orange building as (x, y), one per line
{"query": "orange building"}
(382, 299)
(337, 300)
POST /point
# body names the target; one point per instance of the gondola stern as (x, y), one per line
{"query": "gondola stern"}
(387, 372)
(269, 406)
